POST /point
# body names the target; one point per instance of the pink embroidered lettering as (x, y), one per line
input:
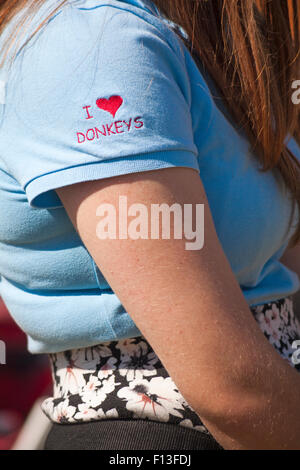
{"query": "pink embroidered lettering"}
(100, 132)
(137, 120)
(110, 105)
(119, 125)
(93, 134)
(87, 112)
(78, 137)
(128, 125)
(109, 131)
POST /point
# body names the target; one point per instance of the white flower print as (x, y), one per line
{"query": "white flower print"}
(48, 407)
(87, 359)
(74, 380)
(280, 326)
(108, 385)
(275, 317)
(93, 399)
(86, 413)
(187, 423)
(126, 346)
(57, 387)
(270, 325)
(109, 414)
(285, 315)
(125, 379)
(108, 368)
(93, 383)
(62, 412)
(138, 363)
(103, 350)
(155, 399)
(71, 378)
(96, 392)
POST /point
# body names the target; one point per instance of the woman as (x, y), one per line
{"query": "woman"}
(185, 339)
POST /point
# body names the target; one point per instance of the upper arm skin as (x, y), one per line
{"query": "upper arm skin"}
(190, 308)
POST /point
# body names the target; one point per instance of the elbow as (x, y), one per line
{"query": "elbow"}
(240, 417)
(232, 408)
(237, 407)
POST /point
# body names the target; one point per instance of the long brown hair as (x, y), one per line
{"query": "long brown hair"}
(251, 48)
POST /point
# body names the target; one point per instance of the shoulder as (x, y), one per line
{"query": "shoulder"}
(83, 24)
(100, 82)
(85, 37)
(141, 14)
(91, 47)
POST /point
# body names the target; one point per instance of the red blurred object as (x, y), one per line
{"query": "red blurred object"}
(23, 379)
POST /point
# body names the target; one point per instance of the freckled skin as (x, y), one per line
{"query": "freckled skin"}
(246, 394)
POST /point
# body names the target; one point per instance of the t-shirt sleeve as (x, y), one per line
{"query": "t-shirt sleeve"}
(97, 93)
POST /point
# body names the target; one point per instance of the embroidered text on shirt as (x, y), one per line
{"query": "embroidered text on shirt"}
(110, 105)
(117, 127)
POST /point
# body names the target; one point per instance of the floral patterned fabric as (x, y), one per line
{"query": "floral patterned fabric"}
(126, 379)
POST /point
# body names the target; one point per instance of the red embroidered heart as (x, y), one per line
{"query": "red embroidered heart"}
(111, 105)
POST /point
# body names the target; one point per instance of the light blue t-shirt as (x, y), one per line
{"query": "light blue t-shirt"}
(108, 88)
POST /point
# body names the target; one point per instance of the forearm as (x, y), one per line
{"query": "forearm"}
(245, 393)
(265, 417)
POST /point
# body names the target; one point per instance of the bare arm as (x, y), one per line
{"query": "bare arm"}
(291, 259)
(245, 393)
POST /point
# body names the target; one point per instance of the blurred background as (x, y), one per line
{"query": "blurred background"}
(23, 380)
